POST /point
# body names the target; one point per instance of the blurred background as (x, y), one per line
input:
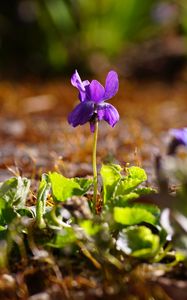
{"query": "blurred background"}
(50, 37)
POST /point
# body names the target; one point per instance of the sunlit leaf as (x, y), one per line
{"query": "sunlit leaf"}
(89, 227)
(110, 176)
(135, 177)
(136, 214)
(138, 241)
(84, 183)
(64, 188)
(14, 191)
(137, 173)
(119, 188)
(2, 228)
(122, 200)
(143, 191)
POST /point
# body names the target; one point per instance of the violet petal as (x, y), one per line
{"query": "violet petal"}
(76, 81)
(109, 113)
(95, 91)
(82, 94)
(111, 85)
(81, 114)
(80, 85)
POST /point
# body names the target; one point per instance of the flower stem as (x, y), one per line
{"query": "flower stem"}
(94, 164)
(39, 214)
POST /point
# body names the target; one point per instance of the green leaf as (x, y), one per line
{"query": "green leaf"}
(138, 241)
(8, 214)
(84, 183)
(110, 174)
(135, 177)
(143, 191)
(116, 186)
(26, 212)
(90, 227)
(43, 191)
(63, 238)
(2, 207)
(2, 228)
(137, 173)
(136, 214)
(123, 199)
(14, 191)
(64, 188)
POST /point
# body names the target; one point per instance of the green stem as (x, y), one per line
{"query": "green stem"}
(56, 220)
(43, 192)
(39, 214)
(94, 165)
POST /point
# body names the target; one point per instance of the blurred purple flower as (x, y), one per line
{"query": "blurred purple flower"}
(179, 138)
(92, 104)
(180, 135)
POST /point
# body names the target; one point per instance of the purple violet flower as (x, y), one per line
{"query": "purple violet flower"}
(92, 104)
(179, 138)
(180, 135)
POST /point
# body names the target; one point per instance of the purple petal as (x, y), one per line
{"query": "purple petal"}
(95, 91)
(76, 81)
(81, 114)
(111, 85)
(80, 85)
(180, 135)
(82, 94)
(108, 113)
(86, 82)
